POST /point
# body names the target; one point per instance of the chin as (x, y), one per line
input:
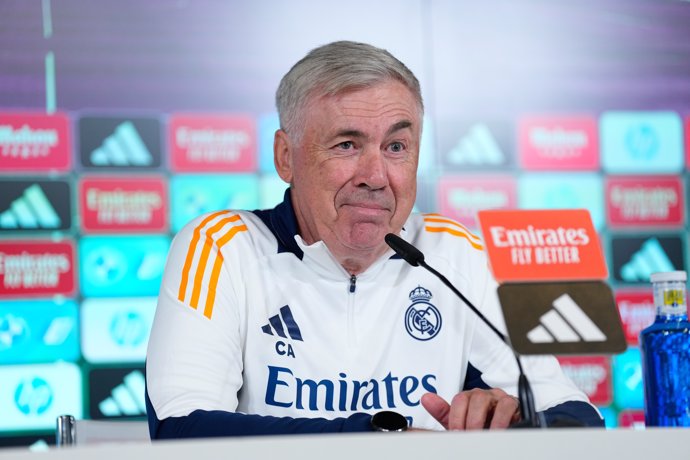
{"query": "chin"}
(367, 240)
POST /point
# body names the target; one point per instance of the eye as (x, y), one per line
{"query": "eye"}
(347, 145)
(396, 147)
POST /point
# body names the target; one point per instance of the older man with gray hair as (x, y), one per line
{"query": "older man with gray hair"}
(300, 319)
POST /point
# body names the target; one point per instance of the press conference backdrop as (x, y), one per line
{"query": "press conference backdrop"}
(121, 121)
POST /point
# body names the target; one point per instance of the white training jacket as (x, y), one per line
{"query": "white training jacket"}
(253, 322)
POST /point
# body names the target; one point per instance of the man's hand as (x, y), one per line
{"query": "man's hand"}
(474, 409)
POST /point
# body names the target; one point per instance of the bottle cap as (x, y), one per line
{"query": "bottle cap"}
(661, 277)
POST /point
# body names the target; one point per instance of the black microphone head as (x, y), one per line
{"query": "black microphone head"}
(412, 255)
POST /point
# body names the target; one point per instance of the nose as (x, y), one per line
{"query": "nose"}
(372, 171)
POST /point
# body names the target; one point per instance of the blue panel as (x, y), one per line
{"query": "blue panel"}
(563, 191)
(628, 385)
(38, 331)
(641, 142)
(116, 330)
(122, 266)
(31, 397)
(194, 195)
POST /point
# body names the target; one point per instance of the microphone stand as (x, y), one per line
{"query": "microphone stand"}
(414, 257)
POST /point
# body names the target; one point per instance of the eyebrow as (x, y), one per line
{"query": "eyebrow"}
(404, 124)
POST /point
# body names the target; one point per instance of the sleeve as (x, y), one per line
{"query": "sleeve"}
(194, 359)
(492, 365)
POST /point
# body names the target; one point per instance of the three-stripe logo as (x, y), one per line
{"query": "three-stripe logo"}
(127, 398)
(649, 259)
(477, 147)
(123, 148)
(566, 322)
(31, 210)
(284, 318)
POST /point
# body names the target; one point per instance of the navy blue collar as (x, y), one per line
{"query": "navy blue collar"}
(281, 221)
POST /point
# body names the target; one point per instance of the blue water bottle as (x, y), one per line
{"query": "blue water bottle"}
(666, 354)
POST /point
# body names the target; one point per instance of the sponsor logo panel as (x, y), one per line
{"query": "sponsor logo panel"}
(115, 330)
(460, 197)
(195, 195)
(33, 396)
(476, 145)
(645, 201)
(592, 375)
(38, 331)
(35, 205)
(125, 204)
(641, 142)
(637, 312)
(628, 386)
(34, 142)
(117, 393)
(573, 318)
(36, 268)
(560, 143)
(533, 245)
(563, 191)
(111, 142)
(122, 266)
(635, 258)
(213, 143)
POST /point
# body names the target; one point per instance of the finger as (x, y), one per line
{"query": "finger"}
(504, 413)
(437, 407)
(458, 411)
(480, 410)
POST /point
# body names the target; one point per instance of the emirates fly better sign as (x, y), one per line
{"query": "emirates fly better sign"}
(552, 295)
(542, 245)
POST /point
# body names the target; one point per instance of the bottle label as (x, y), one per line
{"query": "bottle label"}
(673, 297)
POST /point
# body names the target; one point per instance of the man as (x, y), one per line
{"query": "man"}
(300, 319)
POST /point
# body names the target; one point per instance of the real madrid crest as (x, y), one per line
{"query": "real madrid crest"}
(422, 319)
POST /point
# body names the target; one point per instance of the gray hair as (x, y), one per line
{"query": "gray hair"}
(333, 69)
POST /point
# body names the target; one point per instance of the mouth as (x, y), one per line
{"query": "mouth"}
(371, 209)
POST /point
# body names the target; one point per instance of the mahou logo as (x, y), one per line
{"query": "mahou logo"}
(32, 268)
(645, 201)
(558, 143)
(461, 197)
(34, 142)
(118, 203)
(592, 375)
(213, 143)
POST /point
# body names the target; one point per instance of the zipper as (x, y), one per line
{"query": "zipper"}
(351, 332)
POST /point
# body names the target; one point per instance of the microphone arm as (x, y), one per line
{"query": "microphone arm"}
(414, 257)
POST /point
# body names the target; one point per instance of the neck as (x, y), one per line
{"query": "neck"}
(355, 264)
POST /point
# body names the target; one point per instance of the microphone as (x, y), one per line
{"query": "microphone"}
(414, 257)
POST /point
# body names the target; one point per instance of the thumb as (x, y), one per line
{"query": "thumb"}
(437, 407)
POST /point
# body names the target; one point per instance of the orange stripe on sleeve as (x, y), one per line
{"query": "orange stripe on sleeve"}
(455, 233)
(190, 254)
(442, 220)
(203, 259)
(217, 266)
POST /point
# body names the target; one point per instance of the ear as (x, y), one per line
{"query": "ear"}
(282, 155)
